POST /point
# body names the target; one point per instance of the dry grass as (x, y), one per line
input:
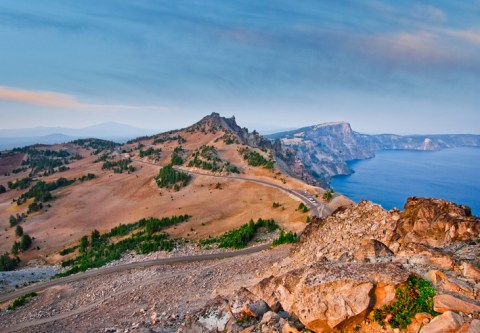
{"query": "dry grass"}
(112, 199)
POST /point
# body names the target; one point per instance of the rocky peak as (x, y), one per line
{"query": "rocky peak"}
(214, 122)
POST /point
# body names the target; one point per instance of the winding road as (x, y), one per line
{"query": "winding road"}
(134, 265)
(316, 208)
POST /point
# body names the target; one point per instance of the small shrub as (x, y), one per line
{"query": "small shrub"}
(302, 207)
(18, 231)
(21, 301)
(68, 250)
(25, 242)
(414, 297)
(328, 195)
(7, 263)
(168, 176)
(239, 238)
(286, 238)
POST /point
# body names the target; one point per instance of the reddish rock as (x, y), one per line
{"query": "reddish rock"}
(423, 317)
(423, 254)
(327, 297)
(443, 303)
(470, 270)
(449, 322)
(436, 222)
(289, 329)
(372, 248)
(473, 327)
(443, 282)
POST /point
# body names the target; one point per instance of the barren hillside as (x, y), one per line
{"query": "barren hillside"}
(114, 197)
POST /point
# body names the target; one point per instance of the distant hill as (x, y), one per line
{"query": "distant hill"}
(11, 138)
(10, 143)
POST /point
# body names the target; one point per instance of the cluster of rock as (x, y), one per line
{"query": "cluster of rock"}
(214, 122)
(351, 263)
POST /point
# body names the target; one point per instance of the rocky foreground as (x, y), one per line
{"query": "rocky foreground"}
(365, 269)
(362, 269)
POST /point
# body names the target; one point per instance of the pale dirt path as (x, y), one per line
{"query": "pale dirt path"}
(107, 270)
(128, 300)
(91, 306)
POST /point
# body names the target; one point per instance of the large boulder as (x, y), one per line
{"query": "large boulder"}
(449, 322)
(443, 303)
(214, 317)
(371, 249)
(328, 297)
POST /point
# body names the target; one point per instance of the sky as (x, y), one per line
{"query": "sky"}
(406, 67)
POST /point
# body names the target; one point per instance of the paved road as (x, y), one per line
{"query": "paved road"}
(316, 208)
(134, 265)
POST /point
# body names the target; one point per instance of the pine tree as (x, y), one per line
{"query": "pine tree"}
(18, 231)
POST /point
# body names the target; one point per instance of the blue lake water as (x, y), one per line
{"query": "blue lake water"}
(392, 176)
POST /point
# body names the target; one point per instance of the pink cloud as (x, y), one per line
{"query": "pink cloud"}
(43, 98)
(472, 36)
(57, 100)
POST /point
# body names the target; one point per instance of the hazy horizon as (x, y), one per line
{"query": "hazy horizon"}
(403, 68)
(261, 131)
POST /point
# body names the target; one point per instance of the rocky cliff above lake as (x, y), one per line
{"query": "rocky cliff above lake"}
(325, 149)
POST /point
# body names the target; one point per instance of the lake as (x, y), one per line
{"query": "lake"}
(394, 175)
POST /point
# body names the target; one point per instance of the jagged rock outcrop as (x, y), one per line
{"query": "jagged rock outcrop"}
(423, 225)
(292, 165)
(214, 122)
(443, 303)
(352, 262)
(436, 222)
(285, 158)
(342, 233)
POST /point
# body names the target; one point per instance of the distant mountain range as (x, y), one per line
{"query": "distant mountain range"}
(314, 154)
(325, 149)
(11, 138)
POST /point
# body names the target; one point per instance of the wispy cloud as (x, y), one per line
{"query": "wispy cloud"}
(64, 101)
(472, 36)
(429, 12)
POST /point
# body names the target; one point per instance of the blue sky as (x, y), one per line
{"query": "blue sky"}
(383, 66)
